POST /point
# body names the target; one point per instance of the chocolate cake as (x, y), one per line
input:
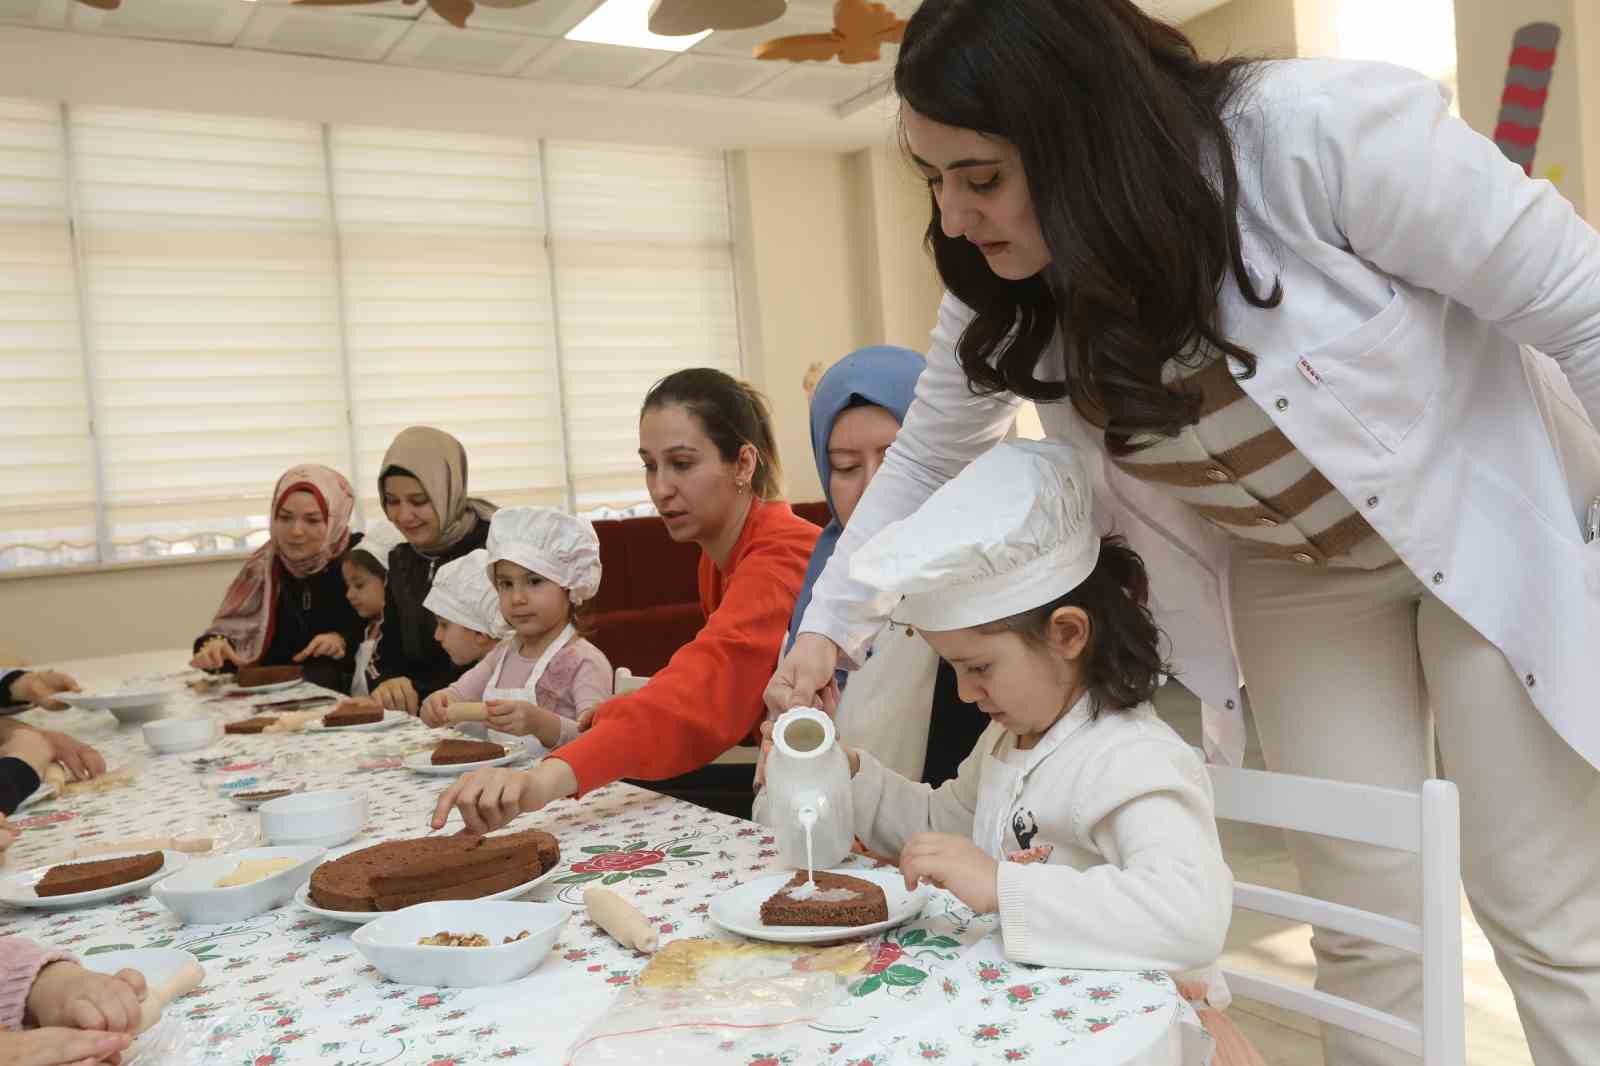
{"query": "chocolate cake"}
(839, 900)
(103, 873)
(256, 676)
(249, 725)
(263, 795)
(352, 714)
(432, 868)
(454, 752)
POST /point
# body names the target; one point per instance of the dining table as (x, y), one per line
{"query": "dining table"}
(288, 987)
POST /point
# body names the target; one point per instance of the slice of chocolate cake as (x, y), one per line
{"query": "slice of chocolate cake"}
(104, 873)
(352, 714)
(256, 676)
(250, 725)
(839, 900)
(454, 752)
(432, 868)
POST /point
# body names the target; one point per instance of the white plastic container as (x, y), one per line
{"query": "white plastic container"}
(324, 819)
(181, 734)
(808, 785)
(193, 895)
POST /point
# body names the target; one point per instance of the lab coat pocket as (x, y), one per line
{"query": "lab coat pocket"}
(1386, 372)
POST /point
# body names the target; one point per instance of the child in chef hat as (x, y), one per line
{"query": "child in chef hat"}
(1080, 818)
(365, 568)
(543, 564)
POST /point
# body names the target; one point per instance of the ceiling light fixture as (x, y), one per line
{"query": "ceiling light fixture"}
(626, 24)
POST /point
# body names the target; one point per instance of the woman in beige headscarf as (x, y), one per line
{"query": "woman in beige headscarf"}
(423, 482)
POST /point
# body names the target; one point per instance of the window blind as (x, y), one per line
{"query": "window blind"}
(211, 299)
(447, 304)
(643, 256)
(47, 472)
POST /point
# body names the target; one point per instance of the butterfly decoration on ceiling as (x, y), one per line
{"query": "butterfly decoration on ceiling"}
(455, 12)
(860, 30)
(679, 18)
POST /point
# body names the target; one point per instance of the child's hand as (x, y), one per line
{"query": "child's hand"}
(954, 863)
(32, 747)
(65, 994)
(488, 799)
(39, 688)
(61, 1047)
(327, 645)
(214, 654)
(523, 719)
(398, 694)
(433, 709)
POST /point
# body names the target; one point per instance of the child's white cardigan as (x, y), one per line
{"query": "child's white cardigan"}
(1134, 877)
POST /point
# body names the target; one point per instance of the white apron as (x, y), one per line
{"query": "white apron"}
(364, 653)
(1003, 780)
(528, 692)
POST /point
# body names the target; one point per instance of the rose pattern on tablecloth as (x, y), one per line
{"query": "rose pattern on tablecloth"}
(287, 988)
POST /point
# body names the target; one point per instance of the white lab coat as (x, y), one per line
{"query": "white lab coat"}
(1415, 259)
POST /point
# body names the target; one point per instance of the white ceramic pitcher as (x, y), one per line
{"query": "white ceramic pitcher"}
(808, 785)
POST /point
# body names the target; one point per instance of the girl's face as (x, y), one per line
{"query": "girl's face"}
(532, 605)
(856, 446)
(363, 589)
(464, 646)
(982, 193)
(406, 504)
(693, 487)
(298, 527)
(1024, 685)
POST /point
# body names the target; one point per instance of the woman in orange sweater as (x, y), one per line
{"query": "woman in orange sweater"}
(711, 465)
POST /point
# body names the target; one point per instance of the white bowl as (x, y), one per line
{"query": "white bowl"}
(194, 897)
(325, 819)
(149, 712)
(181, 734)
(390, 942)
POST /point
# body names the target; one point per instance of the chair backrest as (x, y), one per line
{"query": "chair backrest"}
(625, 682)
(1426, 823)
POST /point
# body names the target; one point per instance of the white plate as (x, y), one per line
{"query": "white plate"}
(389, 720)
(43, 792)
(302, 896)
(276, 686)
(390, 943)
(17, 889)
(738, 910)
(116, 699)
(418, 762)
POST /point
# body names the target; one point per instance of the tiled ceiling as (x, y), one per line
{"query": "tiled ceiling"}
(524, 42)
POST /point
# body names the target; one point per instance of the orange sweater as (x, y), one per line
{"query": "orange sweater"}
(708, 696)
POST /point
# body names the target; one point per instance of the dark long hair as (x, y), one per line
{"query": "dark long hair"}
(733, 413)
(1130, 167)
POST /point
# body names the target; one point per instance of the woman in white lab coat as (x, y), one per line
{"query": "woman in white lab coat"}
(1286, 304)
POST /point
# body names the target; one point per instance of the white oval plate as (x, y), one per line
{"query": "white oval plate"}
(417, 762)
(738, 910)
(389, 721)
(114, 700)
(17, 889)
(302, 896)
(275, 686)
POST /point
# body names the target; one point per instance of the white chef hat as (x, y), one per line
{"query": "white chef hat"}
(379, 540)
(553, 544)
(1013, 531)
(462, 593)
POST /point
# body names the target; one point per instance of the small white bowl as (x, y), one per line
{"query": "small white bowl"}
(390, 942)
(181, 734)
(194, 897)
(324, 819)
(149, 712)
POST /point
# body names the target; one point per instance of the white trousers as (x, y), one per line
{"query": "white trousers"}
(1349, 675)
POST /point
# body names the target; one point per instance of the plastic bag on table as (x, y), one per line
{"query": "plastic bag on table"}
(712, 1002)
(176, 1040)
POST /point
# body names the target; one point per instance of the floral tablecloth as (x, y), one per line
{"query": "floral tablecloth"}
(287, 987)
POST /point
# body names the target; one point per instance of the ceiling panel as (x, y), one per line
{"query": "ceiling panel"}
(825, 84)
(711, 76)
(202, 21)
(596, 64)
(322, 32)
(443, 47)
(45, 14)
(545, 18)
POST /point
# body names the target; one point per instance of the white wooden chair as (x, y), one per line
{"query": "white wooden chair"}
(1426, 823)
(740, 755)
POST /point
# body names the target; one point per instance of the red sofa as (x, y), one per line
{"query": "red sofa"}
(648, 605)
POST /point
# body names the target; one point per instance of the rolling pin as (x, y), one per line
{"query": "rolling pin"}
(156, 997)
(466, 712)
(621, 919)
(191, 845)
(55, 774)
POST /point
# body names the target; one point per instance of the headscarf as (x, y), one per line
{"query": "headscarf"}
(882, 375)
(246, 616)
(439, 462)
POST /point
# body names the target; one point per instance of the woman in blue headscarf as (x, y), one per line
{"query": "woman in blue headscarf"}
(902, 704)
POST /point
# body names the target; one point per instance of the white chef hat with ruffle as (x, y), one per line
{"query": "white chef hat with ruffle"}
(1013, 531)
(380, 538)
(462, 593)
(553, 544)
